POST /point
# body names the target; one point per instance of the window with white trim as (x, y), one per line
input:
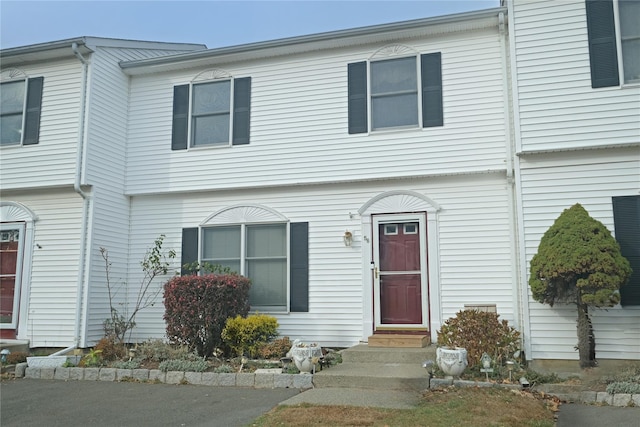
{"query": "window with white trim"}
(629, 36)
(20, 105)
(613, 30)
(211, 112)
(401, 90)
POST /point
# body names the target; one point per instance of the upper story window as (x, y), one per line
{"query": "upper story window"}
(20, 111)
(629, 18)
(211, 113)
(398, 91)
(613, 28)
(394, 93)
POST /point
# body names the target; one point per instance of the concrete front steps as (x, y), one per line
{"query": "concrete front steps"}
(366, 367)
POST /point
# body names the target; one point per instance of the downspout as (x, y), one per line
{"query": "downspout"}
(509, 152)
(525, 326)
(86, 201)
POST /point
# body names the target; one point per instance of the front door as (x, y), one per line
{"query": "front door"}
(10, 266)
(400, 272)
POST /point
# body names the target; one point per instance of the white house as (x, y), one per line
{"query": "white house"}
(371, 181)
(62, 156)
(576, 97)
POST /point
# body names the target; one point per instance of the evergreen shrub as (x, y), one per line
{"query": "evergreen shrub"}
(246, 335)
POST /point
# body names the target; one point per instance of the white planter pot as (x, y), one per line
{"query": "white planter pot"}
(451, 361)
(304, 357)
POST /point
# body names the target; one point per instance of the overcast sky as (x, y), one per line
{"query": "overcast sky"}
(214, 23)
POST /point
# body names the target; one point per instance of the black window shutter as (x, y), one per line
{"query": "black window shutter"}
(32, 113)
(180, 126)
(626, 217)
(299, 274)
(241, 110)
(603, 55)
(431, 75)
(357, 82)
(189, 248)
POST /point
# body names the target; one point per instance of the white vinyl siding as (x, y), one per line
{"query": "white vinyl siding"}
(299, 132)
(550, 185)
(52, 299)
(55, 154)
(559, 110)
(474, 237)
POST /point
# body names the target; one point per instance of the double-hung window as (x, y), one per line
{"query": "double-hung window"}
(257, 251)
(20, 111)
(274, 254)
(211, 113)
(613, 28)
(395, 93)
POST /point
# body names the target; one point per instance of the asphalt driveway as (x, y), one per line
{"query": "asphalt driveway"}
(26, 402)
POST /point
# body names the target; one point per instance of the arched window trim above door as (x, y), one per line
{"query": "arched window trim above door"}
(399, 201)
(16, 212)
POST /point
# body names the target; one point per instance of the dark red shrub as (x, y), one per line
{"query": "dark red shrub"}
(197, 307)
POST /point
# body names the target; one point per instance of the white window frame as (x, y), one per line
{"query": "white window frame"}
(243, 259)
(616, 15)
(191, 131)
(414, 55)
(25, 82)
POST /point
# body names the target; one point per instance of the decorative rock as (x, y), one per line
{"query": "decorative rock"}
(264, 380)
(32, 373)
(91, 374)
(621, 399)
(123, 373)
(440, 383)
(245, 380)
(604, 397)
(76, 373)
(464, 383)
(107, 374)
(227, 379)
(20, 368)
(62, 374)
(589, 396)
(47, 373)
(157, 375)
(635, 398)
(210, 379)
(282, 381)
(193, 377)
(175, 377)
(46, 361)
(303, 381)
(140, 374)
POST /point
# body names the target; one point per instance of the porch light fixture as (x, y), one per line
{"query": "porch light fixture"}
(347, 238)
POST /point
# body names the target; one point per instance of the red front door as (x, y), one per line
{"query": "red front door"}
(400, 271)
(9, 262)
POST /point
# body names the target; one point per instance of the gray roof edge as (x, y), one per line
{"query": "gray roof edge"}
(92, 42)
(318, 37)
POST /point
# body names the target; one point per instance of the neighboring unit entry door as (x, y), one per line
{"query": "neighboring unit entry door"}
(400, 271)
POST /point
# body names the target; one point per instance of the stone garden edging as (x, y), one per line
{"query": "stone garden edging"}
(564, 392)
(260, 380)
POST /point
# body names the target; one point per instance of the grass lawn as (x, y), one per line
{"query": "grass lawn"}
(451, 407)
